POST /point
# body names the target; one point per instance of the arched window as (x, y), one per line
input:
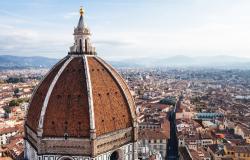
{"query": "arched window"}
(117, 155)
(81, 50)
(114, 156)
(66, 136)
(86, 45)
(66, 158)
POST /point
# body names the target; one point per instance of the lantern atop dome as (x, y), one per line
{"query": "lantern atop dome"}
(82, 35)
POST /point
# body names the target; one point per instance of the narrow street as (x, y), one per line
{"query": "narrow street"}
(172, 147)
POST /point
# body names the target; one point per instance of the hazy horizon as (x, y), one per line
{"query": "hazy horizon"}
(125, 30)
(142, 57)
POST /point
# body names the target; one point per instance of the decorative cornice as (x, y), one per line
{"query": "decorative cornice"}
(76, 55)
(126, 130)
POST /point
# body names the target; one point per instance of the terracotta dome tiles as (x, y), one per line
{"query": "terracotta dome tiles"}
(110, 107)
(68, 108)
(123, 85)
(37, 100)
(70, 100)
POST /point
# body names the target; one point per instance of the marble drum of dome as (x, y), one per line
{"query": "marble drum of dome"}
(82, 109)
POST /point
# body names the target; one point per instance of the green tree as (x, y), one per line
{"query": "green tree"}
(16, 90)
(168, 101)
(14, 103)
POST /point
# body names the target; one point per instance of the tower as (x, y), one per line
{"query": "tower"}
(82, 38)
(82, 109)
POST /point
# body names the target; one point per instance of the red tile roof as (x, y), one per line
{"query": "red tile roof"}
(68, 105)
(110, 106)
(67, 110)
(37, 100)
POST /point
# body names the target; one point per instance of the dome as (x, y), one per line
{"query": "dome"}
(82, 109)
(78, 92)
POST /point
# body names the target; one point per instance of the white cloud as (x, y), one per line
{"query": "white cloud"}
(19, 41)
(190, 28)
(71, 15)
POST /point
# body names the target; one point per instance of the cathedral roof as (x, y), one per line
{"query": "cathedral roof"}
(81, 107)
(80, 93)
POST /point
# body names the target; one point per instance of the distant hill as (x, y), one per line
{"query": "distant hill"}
(12, 62)
(222, 61)
(230, 62)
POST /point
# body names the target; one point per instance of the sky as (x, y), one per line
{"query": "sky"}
(127, 28)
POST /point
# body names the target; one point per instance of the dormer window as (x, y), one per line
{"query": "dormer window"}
(66, 136)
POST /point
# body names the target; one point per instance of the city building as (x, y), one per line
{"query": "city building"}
(237, 152)
(243, 131)
(152, 141)
(6, 133)
(82, 109)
